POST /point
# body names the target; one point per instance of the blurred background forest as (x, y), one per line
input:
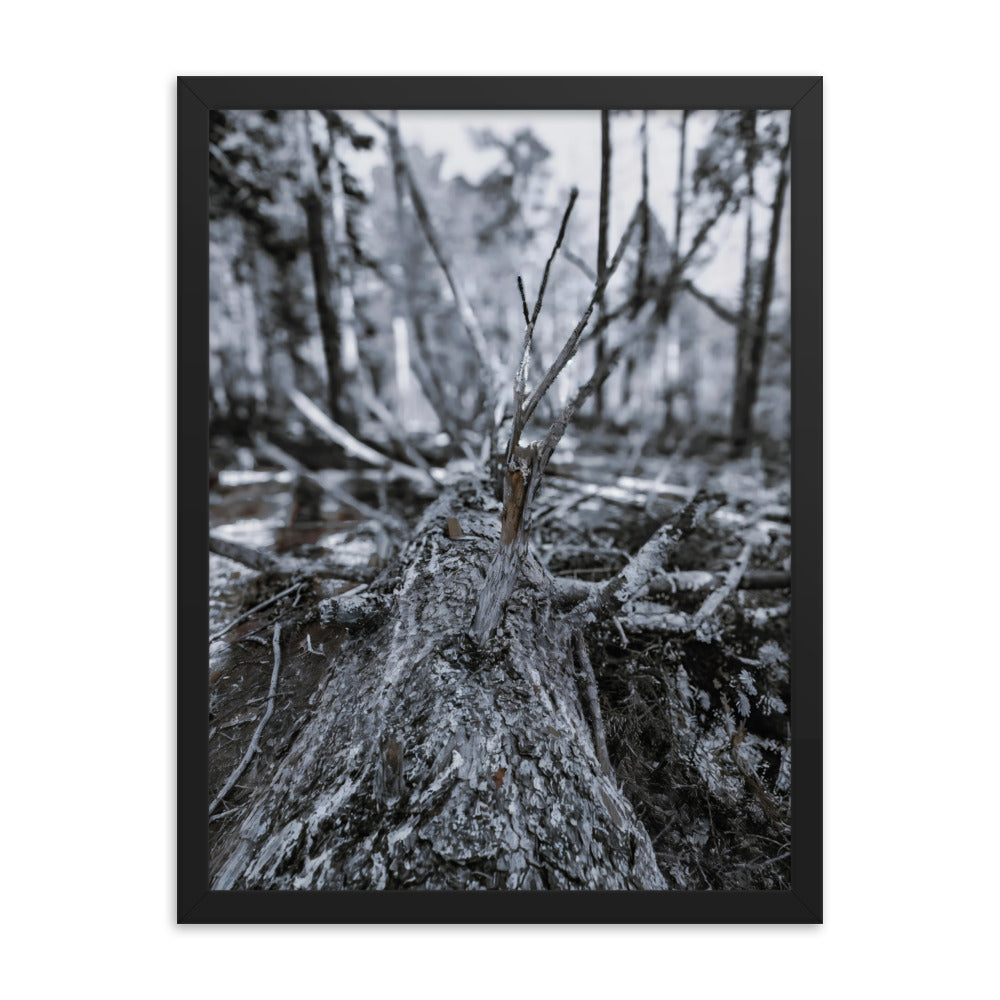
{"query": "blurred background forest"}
(323, 280)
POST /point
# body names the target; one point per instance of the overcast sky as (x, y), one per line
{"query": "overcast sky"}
(574, 140)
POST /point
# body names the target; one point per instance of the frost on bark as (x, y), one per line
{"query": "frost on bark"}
(432, 761)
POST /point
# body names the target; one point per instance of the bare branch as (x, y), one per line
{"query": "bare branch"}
(702, 234)
(262, 562)
(521, 378)
(391, 424)
(524, 301)
(270, 450)
(254, 610)
(573, 194)
(635, 575)
(352, 445)
(679, 194)
(580, 263)
(573, 342)
(601, 373)
(571, 591)
(254, 741)
(731, 582)
(713, 303)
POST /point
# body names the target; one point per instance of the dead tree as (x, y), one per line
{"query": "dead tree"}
(602, 241)
(752, 334)
(456, 739)
(311, 199)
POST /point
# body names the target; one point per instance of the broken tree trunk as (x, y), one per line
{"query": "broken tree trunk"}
(433, 762)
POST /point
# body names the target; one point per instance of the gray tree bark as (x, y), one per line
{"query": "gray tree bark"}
(434, 761)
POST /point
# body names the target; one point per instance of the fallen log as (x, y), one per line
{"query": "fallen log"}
(264, 562)
(434, 762)
(358, 449)
(571, 591)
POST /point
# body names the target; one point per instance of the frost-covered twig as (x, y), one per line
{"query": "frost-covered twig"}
(636, 574)
(254, 740)
(571, 592)
(731, 582)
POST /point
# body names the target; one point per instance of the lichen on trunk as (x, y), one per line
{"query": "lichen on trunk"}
(435, 761)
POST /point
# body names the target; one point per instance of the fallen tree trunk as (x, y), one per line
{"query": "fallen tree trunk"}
(431, 761)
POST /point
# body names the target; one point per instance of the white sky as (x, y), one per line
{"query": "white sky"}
(574, 140)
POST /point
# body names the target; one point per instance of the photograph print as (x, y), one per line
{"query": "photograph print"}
(500, 531)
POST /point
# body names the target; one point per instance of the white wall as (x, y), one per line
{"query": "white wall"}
(911, 368)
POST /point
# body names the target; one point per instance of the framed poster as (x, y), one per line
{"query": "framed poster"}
(485, 572)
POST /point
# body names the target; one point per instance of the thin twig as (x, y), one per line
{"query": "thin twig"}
(521, 378)
(573, 342)
(254, 746)
(585, 269)
(600, 375)
(573, 194)
(228, 812)
(524, 301)
(254, 610)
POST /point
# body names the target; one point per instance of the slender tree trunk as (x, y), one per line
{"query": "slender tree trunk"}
(767, 288)
(319, 258)
(422, 358)
(329, 325)
(668, 292)
(752, 356)
(640, 271)
(679, 194)
(739, 424)
(640, 290)
(602, 243)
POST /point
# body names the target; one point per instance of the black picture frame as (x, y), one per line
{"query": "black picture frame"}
(196, 97)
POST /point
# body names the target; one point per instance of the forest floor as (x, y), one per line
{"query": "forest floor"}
(595, 509)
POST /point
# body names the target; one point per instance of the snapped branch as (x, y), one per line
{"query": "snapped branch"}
(569, 349)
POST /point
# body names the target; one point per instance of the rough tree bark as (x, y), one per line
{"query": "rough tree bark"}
(455, 738)
(431, 762)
